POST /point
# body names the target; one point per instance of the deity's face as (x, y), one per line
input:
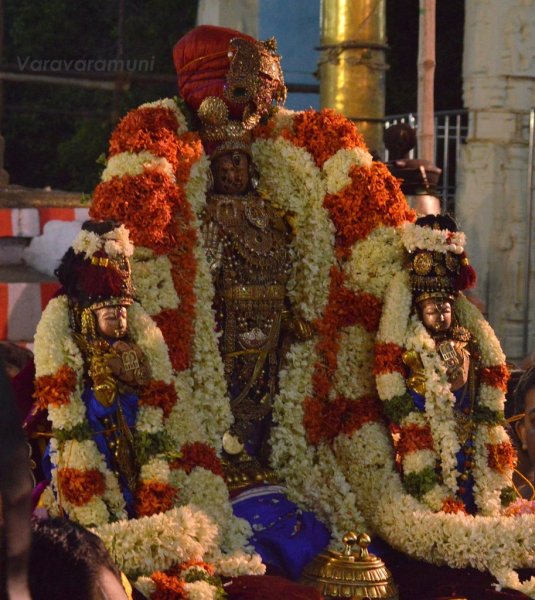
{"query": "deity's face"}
(231, 173)
(112, 321)
(435, 314)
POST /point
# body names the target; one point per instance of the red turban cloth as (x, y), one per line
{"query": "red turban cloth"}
(202, 63)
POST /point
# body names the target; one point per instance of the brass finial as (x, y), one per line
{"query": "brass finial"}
(363, 540)
(350, 574)
(349, 539)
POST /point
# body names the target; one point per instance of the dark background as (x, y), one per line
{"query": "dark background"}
(55, 133)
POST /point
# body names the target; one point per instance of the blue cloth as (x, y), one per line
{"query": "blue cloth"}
(462, 401)
(285, 536)
(96, 413)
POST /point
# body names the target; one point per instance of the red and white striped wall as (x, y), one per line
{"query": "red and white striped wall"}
(29, 222)
(21, 303)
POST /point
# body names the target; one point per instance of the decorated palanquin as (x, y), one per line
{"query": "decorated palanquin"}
(348, 231)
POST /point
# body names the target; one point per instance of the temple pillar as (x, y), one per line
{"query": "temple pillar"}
(352, 63)
(492, 201)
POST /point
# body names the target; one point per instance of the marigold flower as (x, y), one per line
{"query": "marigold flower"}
(55, 390)
(497, 376)
(145, 204)
(78, 487)
(452, 506)
(323, 133)
(373, 198)
(153, 497)
(168, 587)
(501, 457)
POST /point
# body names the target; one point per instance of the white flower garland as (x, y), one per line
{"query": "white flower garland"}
(291, 181)
(336, 168)
(368, 478)
(435, 240)
(136, 163)
(114, 243)
(55, 348)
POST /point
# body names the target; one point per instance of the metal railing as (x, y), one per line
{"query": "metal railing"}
(451, 129)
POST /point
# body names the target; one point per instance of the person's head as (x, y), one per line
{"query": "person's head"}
(68, 561)
(524, 408)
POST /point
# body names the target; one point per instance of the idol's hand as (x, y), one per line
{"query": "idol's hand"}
(213, 245)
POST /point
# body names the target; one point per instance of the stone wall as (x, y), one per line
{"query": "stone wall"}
(499, 90)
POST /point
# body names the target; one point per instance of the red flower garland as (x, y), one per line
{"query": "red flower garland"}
(144, 204)
(388, 359)
(496, 376)
(55, 390)
(78, 487)
(197, 454)
(344, 308)
(152, 129)
(159, 394)
(324, 421)
(153, 497)
(413, 438)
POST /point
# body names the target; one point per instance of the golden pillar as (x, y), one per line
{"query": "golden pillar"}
(352, 63)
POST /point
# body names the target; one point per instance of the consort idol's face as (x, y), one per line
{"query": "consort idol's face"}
(231, 173)
(112, 321)
(436, 314)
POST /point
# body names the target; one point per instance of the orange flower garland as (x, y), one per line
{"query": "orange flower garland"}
(144, 204)
(157, 214)
(344, 308)
(197, 454)
(199, 564)
(388, 358)
(55, 390)
(324, 421)
(78, 487)
(160, 394)
(153, 497)
(188, 149)
(359, 412)
(373, 198)
(168, 587)
(496, 376)
(323, 134)
(452, 506)
(501, 457)
(152, 129)
(413, 438)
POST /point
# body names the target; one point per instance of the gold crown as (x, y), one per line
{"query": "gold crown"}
(219, 129)
(252, 66)
(254, 80)
(433, 273)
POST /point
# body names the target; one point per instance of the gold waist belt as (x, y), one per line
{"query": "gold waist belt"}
(255, 292)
